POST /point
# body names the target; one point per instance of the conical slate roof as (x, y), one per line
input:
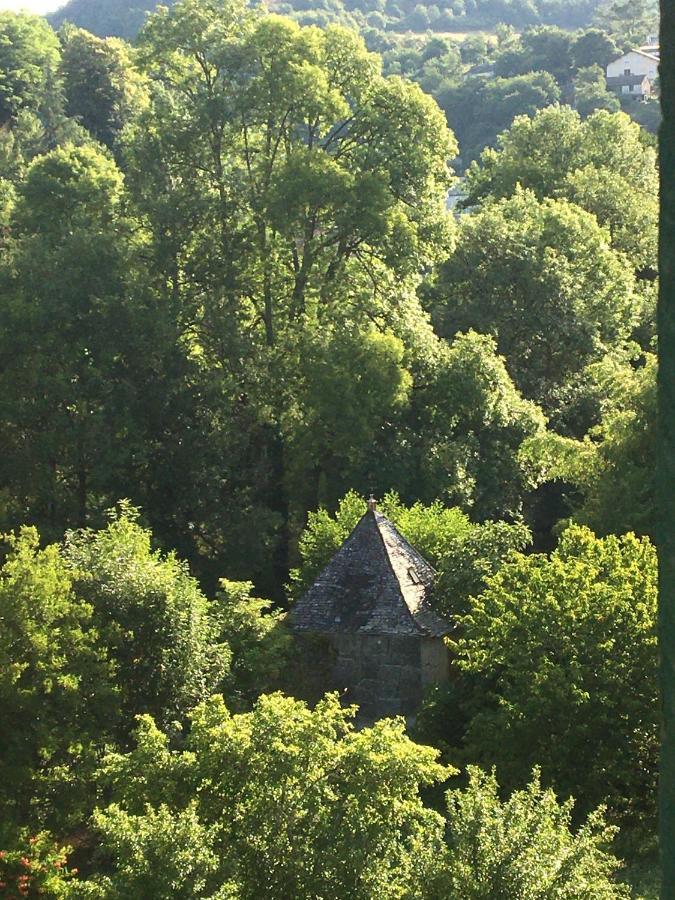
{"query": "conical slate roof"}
(376, 583)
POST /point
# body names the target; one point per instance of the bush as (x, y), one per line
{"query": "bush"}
(35, 866)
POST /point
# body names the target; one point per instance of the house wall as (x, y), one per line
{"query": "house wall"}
(638, 65)
(384, 675)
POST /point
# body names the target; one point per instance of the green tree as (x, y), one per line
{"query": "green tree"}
(467, 424)
(561, 657)
(542, 49)
(554, 152)
(101, 87)
(286, 181)
(631, 22)
(258, 642)
(590, 92)
(160, 629)
(32, 102)
(525, 846)
(354, 385)
(105, 18)
(542, 279)
(61, 331)
(612, 468)
(594, 47)
(279, 802)
(29, 55)
(630, 215)
(35, 865)
(480, 109)
(324, 181)
(57, 690)
(469, 560)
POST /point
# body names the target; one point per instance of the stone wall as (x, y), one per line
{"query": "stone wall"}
(385, 675)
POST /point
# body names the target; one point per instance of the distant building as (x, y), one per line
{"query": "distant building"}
(455, 196)
(651, 45)
(366, 627)
(638, 86)
(634, 62)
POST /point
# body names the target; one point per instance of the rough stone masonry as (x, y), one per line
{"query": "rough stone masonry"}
(366, 627)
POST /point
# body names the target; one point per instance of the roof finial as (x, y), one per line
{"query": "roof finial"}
(372, 503)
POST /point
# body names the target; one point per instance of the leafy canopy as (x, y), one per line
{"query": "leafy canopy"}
(541, 277)
(612, 468)
(605, 163)
(280, 802)
(524, 846)
(560, 656)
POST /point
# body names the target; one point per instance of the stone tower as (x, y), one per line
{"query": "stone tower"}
(366, 628)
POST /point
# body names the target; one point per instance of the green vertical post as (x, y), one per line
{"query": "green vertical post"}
(666, 450)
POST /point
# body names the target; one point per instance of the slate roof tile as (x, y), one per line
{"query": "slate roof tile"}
(376, 583)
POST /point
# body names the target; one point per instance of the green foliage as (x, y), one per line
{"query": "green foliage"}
(542, 279)
(524, 846)
(354, 383)
(101, 88)
(469, 560)
(594, 47)
(470, 420)
(292, 196)
(613, 466)
(29, 55)
(480, 109)
(430, 529)
(57, 690)
(35, 866)
(68, 189)
(279, 802)
(152, 615)
(62, 333)
(630, 22)
(591, 93)
(98, 631)
(226, 324)
(122, 18)
(105, 18)
(257, 640)
(220, 817)
(561, 658)
(605, 164)
(543, 49)
(564, 143)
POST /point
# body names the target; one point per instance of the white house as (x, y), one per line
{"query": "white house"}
(637, 86)
(635, 62)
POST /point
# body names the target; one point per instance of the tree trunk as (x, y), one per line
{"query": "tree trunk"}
(666, 450)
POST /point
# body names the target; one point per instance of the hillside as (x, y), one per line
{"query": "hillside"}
(123, 18)
(106, 18)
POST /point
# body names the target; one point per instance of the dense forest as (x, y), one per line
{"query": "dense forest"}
(235, 302)
(123, 18)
